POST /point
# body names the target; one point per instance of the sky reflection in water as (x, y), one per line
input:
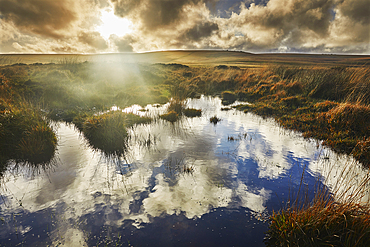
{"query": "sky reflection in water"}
(192, 183)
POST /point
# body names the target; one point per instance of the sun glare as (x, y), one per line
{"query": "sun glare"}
(112, 24)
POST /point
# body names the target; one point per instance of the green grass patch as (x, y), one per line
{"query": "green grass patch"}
(25, 135)
(108, 132)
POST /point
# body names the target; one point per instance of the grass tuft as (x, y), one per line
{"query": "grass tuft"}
(171, 116)
(339, 217)
(323, 223)
(214, 120)
(228, 97)
(108, 133)
(191, 112)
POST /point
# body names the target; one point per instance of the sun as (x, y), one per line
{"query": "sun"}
(112, 24)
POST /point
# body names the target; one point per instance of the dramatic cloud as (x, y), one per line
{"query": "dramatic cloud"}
(340, 26)
(294, 25)
(93, 39)
(47, 18)
(153, 13)
(358, 10)
(200, 31)
(123, 44)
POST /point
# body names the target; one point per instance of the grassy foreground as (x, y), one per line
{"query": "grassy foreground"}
(322, 223)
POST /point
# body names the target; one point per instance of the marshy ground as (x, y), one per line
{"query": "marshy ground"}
(326, 98)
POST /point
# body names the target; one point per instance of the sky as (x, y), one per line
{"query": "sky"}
(104, 26)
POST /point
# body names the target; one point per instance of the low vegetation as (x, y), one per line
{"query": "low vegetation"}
(177, 108)
(107, 131)
(26, 137)
(327, 103)
(331, 104)
(214, 120)
(228, 97)
(170, 116)
(339, 217)
(191, 112)
(323, 223)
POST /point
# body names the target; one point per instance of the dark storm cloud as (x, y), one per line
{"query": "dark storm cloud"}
(155, 14)
(93, 39)
(200, 31)
(125, 7)
(39, 16)
(314, 15)
(162, 13)
(358, 10)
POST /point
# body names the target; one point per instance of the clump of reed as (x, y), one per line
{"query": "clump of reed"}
(191, 112)
(25, 135)
(342, 84)
(214, 120)
(337, 218)
(176, 105)
(179, 165)
(228, 97)
(108, 131)
(354, 117)
(323, 223)
(177, 108)
(170, 116)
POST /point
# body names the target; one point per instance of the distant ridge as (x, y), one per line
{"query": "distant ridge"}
(197, 58)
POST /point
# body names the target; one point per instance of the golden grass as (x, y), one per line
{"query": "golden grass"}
(338, 218)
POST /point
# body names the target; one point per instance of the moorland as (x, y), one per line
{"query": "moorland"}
(324, 97)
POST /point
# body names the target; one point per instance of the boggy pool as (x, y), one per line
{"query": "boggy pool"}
(191, 183)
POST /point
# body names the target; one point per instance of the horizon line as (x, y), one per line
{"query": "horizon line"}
(194, 50)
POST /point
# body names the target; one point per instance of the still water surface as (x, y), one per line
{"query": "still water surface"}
(191, 183)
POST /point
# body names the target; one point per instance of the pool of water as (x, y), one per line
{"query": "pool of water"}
(191, 183)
